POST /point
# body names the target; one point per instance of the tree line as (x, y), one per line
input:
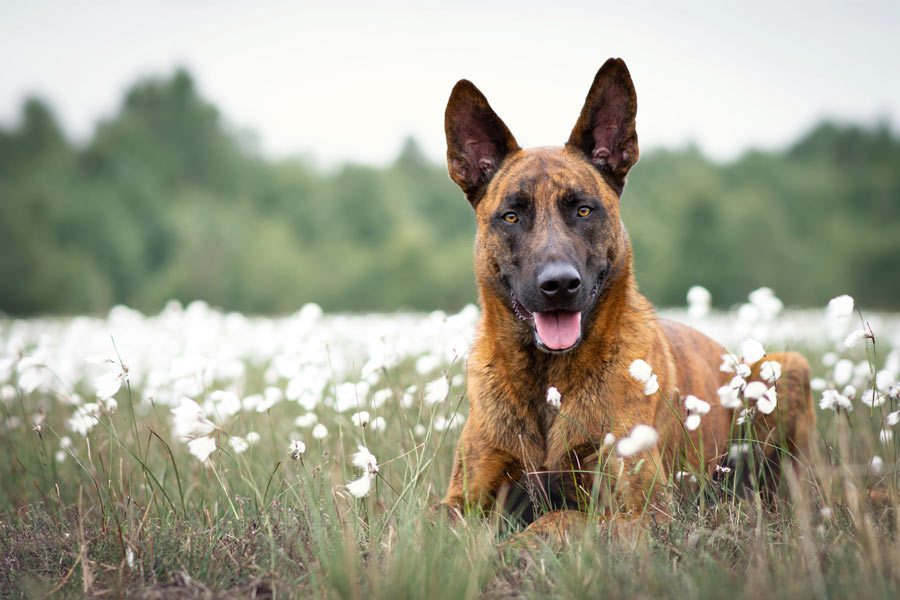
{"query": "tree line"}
(165, 201)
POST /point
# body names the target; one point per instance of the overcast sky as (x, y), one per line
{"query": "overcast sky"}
(351, 81)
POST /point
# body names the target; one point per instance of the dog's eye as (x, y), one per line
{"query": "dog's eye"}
(584, 211)
(511, 217)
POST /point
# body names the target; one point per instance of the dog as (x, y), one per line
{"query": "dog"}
(561, 308)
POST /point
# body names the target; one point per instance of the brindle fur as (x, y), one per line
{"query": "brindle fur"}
(511, 430)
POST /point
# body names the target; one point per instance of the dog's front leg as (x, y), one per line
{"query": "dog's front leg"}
(479, 471)
(630, 494)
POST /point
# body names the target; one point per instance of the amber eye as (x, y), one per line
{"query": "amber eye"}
(584, 211)
(511, 217)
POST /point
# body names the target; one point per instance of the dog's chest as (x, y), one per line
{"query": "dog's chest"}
(581, 418)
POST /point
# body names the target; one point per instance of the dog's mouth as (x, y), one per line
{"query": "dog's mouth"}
(554, 330)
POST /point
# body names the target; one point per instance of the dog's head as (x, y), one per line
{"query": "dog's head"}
(549, 233)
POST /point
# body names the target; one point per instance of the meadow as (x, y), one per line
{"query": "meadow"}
(198, 453)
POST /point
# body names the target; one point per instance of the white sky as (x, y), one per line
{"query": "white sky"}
(350, 82)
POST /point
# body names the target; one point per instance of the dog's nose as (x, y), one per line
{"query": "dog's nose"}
(559, 280)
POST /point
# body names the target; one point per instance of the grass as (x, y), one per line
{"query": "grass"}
(127, 511)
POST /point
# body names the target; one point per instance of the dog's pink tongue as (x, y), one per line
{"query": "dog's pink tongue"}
(558, 329)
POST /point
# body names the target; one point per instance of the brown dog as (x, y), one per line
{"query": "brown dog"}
(560, 307)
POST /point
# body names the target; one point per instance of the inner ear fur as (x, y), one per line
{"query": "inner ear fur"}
(605, 130)
(477, 140)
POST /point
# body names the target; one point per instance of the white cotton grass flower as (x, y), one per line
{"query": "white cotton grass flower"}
(737, 450)
(728, 363)
(643, 373)
(885, 436)
(306, 420)
(380, 397)
(730, 394)
(365, 460)
(238, 444)
(894, 392)
(876, 465)
(892, 418)
(768, 401)
(843, 371)
(696, 405)
(884, 380)
(253, 438)
(437, 391)
(608, 440)
(696, 409)
(427, 363)
(752, 351)
(755, 390)
(378, 424)
(829, 359)
(202, 447)
(554, 398)
(871, 397)
(319, 432)
(730, 397)
(296, 449)
(832, 400)
(108, 384)
(31, 374)
(639, 439)
(692, 422)
(640, 370)
(855, 337)
(840, 307)
(699, 300)
(84, 419)
(447, 423)
(360, 419)
(770, 370)
(190, 420)
(225, 403)
(766, 302)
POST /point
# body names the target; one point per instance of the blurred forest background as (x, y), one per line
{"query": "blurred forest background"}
(165, 201)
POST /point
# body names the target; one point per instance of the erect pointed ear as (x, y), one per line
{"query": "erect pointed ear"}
(477, 140)
(605, 130)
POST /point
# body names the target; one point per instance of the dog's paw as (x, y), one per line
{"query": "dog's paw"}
(449, 513)
(551, 530)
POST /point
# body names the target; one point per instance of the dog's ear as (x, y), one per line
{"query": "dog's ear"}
(605, 130)
(477, 140)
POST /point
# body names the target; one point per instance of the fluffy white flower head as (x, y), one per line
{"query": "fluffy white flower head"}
(840, 307)
(554, 398)
(752, 350)
(296, 449)
(202, 447)
(640, 371)
(696, 405)
(319, 432)
(855, 337)
(641, 438)
(190, 420)
(437, 391)
(366, 461)
(767, 402)
(770, 370)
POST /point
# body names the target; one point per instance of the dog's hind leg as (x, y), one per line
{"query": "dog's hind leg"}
(786, 432)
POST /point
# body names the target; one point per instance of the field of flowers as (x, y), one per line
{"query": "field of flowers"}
(198, 453)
